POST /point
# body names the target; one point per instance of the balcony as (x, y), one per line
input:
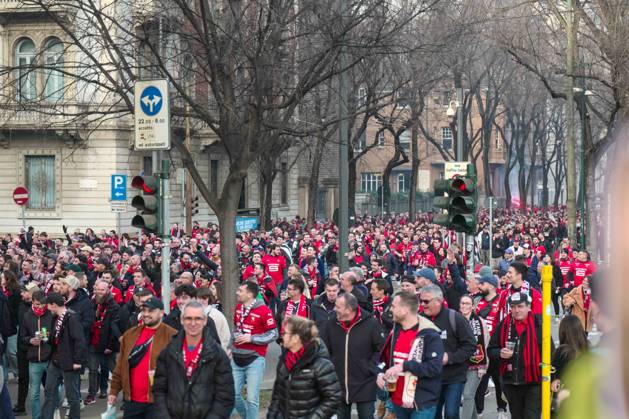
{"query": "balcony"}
(24, 8)
(39, 116)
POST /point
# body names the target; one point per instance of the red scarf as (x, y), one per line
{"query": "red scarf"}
(292, 357)
(378, 306)
(302, 309)
(39, 311)
(348, 325)
(191, 357)
(530, 349)
(101, 310)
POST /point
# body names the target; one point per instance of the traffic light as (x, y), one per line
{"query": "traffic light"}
(195, 206)
(458, 196)
(147, 203)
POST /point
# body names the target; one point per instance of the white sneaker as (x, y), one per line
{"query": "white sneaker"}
(57, 414)
(502, 414)
(65, 404)
(490, 383)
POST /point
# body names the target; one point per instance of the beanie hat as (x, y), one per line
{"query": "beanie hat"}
(427, 273)
(490, 279)
(72, 281)
(484, 270)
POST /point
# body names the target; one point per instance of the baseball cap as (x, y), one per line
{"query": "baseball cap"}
(509, 251)
(153, 303)
(489, 279)
(87, 249)
(520, 298)
(72, 281)
(427, 273)
(30, 287)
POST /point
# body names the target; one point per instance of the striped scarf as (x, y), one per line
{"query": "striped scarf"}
(529, 349)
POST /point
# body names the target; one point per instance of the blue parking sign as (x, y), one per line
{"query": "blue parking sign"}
(118, 187)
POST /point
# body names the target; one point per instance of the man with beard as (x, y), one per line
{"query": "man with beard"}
(135, 367)
(78, 301)
(103, 341)
(130, 312)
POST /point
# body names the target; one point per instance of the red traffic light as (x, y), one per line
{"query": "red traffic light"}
(148, 184)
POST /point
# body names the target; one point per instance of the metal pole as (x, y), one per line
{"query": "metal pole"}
(491, 231)
(164, 196)
(459, 139)
(570, 139)
(547, 277)
(23, 217)
(343, 156)
(469, 238)
(583, 102)
(188, 177)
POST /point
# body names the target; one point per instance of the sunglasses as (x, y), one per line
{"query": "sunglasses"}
(426, 302)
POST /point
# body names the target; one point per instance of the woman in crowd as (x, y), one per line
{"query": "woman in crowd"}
(477, 364)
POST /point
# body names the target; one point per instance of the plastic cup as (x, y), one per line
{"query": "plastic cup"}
(151, 376)
(510, 346)
(392, 384)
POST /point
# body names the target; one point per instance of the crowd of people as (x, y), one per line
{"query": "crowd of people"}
(404, 333)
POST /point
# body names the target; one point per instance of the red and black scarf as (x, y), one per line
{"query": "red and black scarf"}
(291, 358)
(191, 357)
(300, 309)
(101, 310)
(530, 349)
(378, 306)
(39, 311)
(347, 325)
(59, 328)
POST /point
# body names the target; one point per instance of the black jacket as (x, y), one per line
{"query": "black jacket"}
(109, 331)
(322, 312)
(83, 307)
(281, 312)
(23, 308)
(208, 395)
(460, 345)
(72, 346)
(31, 324)
(128, 316)
(357, 353)
(7, 322)
(310, 390)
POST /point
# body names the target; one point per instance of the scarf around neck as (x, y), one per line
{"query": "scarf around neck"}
(530, 349)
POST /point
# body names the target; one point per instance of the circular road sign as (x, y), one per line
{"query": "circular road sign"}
(151, 100)
(20, 195)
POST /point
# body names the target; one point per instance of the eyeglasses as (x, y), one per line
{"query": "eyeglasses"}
(426, 302)
(193, 319)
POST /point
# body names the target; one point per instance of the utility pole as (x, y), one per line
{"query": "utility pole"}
(165, 211)
(343, 155)
(188, 180)
(571, 204)
(459, 137)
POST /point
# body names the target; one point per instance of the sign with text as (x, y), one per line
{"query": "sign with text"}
(455, 168)
(152, 115)
(118, 188)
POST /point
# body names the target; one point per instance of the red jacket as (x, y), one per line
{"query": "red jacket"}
(259, 323)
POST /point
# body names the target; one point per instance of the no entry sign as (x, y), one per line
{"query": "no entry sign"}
(20, 195)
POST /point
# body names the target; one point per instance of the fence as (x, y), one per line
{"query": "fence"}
(398, 203)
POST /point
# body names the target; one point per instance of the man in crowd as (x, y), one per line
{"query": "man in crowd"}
(35, 334)
(381, 304)
(208, 300)
(135, 366)
(517, 345)
(139, 281)
(27, 291)
(103, 341)
(412, 356)
(201, 387)
(69, 356)
(254, 328)
(354, 339)
(296, 303)
(77, 300)
(323, 305)
(130, 313)
(515, 274)
(349, 280)
(459, 345)
(183, 294)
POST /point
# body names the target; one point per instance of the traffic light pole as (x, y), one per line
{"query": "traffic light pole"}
(469, 245)
(165, 222)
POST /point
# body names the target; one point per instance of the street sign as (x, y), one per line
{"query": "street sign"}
(118, 206)
(20, 195)
(455, 168)
(118, 188)
(152, 115)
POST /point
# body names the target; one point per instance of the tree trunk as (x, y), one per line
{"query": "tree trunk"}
(267, 175)
(230, 272)
(487, 167)
(412, 202)
(522, 184)
(546, 175)
(313, 182)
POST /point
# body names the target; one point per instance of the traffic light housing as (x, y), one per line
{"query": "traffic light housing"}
(458, 197)
(195, 206)
(147, 203)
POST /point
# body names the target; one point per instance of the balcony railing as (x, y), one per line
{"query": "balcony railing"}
(39, 116)
(25, 6)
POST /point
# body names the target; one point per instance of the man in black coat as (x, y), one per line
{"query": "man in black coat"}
(354, 340)
(77, 300)
(130, 312)
(103, 343)
(203, 385)
(69, 356)
(459, 345)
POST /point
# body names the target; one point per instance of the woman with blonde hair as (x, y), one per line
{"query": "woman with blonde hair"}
(306, 384)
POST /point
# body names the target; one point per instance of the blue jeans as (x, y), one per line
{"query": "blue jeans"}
(6, 410)
(402, 413)
(36, 372)
(450, 401)
(72, 383)
(252, 376)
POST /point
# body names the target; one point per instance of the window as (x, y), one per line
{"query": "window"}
(361, 143)
(442, 175)
(370, 182)
(53, 77)
(446, 138)
(405, 140)
(381, 138)
(40, 181)
(446, 97)
(284, 184)
(361, 97)
(147, 165)
(498, 140)
(402, 184)
(214, 176)
(24, 59)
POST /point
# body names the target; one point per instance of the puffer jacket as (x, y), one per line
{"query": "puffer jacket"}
(82, 305)
(31, 323)
(109, 330)
(310, 390)
(208, 395)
